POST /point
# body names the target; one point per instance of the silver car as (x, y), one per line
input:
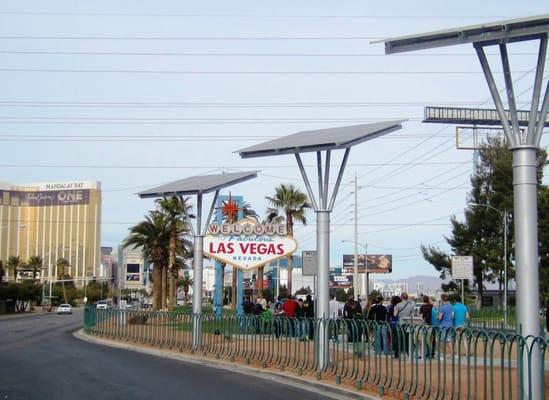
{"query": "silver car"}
(64, 309)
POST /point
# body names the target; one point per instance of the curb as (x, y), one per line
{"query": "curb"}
(324, 389)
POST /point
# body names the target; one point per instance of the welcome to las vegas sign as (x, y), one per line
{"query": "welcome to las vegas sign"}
(248, 245)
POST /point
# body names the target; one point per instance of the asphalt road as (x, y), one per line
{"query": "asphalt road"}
(40, 359)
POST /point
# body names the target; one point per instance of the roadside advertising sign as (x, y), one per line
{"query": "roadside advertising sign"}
(247, 244)
(377, 263)
(341, 281)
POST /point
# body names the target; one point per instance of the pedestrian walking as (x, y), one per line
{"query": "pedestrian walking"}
(403, 311)
(336, 311)
(396, 336)
(289, 308)
(426, 312)
(378, 313)
(446, 319)
(309, 307)
(352, 312)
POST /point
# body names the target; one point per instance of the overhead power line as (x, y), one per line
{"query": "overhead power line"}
(245, 16)
(242, 37)
(237, 54)
(250, 72)
(180, 121)
(84, 104)
(208, 139)
(137, 166)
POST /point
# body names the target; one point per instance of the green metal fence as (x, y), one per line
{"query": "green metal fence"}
(414, 361)
(493, 319)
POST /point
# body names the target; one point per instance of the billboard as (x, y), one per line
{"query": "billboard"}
(45, 198)
(248, 245)
(377, 263)
(133, 277)
(341, 281)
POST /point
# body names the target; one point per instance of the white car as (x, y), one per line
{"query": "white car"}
(103, 305)
(64, 309)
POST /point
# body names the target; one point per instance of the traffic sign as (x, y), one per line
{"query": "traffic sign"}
(462, 267)
(308, 259)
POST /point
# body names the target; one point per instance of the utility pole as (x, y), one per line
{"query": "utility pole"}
(505, 267)
(356, 284)
(366, 269)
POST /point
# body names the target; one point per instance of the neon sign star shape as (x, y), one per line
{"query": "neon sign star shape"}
(230, 209)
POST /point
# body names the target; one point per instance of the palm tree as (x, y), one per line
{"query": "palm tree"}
(2, 272)
(288, 204)
(152, 235)
(14, 262)
(175, 210)
(185, 282)
(35, 263)
(62, 265)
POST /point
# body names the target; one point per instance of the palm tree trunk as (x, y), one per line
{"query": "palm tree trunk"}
(290, 229)
(175, 287)
(157, 287)
(233, 290)
(164, 287)
(171, 264)
(171, 291)
(260, 280)
(222, 288)
(64, 291)
(290, 269)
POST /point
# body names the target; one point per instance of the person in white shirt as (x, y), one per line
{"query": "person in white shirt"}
(261, 300)
(335, 308)
(336, 311)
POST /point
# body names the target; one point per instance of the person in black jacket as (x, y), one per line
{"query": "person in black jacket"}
(378, 313)
(352, 311)
(309, 307)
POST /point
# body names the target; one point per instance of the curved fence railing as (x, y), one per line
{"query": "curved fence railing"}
(417, 361)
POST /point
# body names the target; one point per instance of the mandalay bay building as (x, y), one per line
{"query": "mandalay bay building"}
(53, 221)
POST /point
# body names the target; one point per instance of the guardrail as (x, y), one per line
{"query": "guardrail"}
(415, 361)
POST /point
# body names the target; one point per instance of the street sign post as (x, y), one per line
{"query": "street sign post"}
(309, 263)
(462, 268)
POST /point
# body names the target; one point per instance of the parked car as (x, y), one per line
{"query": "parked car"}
(103, 305)
(64, 309)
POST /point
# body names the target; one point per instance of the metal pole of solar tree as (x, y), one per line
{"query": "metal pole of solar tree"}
(198, 185)
(525, 193)
(524, 148)
(319, 141)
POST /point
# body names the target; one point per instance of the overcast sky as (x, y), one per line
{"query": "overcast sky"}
(139, 93)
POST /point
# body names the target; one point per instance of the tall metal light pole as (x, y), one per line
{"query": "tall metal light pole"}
(322, 141)
(199, 186)
(504, 216)
(524, 147)
(357, 285)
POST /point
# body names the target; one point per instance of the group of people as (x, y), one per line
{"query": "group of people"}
(299, 315)
(390, 336)
(444, 315)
